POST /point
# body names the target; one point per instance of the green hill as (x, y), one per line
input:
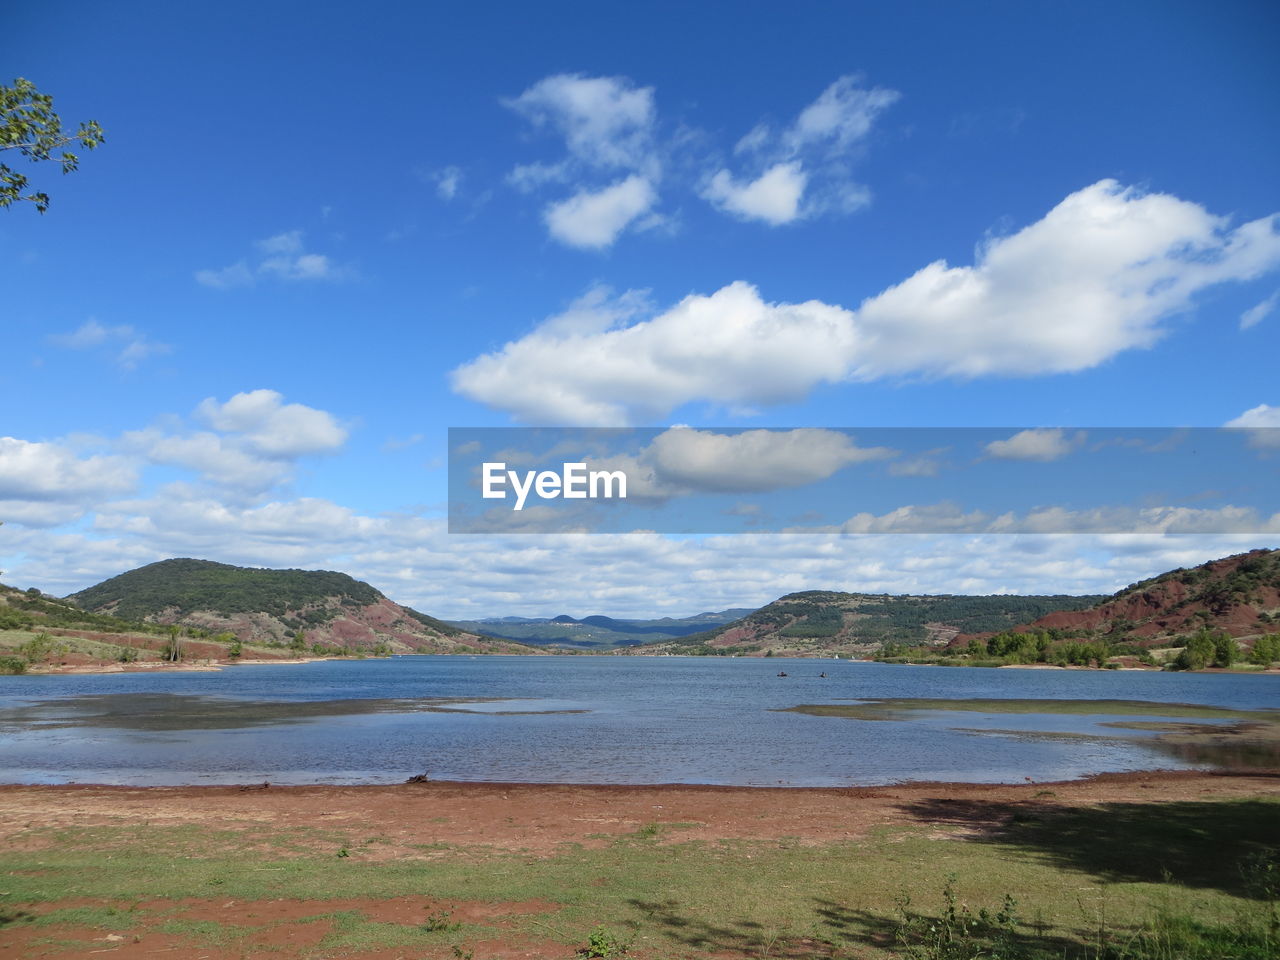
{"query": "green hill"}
(178, 587)
(822, 622)
(328, 609)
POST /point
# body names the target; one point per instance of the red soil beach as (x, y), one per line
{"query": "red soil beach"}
(536, 819)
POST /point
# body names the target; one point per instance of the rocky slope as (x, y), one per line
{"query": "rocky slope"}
(1238, 595)
(825, 623)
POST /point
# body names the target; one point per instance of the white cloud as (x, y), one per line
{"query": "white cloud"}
(813, 151)
(289, 242)
(1040, 445)
(594, 220)
(1259, 312)
(448, 180)
(607, 125)
(413, 560)
(773, 197)
(605, 121)
(925, 465)
(1263, 424)
(1095, 277)
(731, 348)
(252, 446)
(951, 518)
(236, 275)
(752, 461)
(273, 428)
(134, 347)
(842, 115)
(527, 177)
(218, 459)
(50, 471)
(283, 256)
(46, 484)
(40, 513)
(306, 266)
(251, 450)
(89, 334)
(1263, 415)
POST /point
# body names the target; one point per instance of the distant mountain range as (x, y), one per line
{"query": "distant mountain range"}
(595, 632)
(283, 612)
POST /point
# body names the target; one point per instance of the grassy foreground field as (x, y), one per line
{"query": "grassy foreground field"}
(1144, 865)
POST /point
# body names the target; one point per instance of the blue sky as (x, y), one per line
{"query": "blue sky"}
(314, 241)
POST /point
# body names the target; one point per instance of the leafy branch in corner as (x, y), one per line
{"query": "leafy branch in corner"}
(29, 125)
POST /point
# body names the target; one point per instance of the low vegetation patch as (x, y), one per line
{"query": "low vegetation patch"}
(1039, 880)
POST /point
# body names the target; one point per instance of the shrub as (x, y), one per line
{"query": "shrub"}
(602, 943)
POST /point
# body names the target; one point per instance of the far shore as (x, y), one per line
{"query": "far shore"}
(181, 666)
(217, 665)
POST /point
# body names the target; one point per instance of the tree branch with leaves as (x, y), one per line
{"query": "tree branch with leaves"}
(29, 125)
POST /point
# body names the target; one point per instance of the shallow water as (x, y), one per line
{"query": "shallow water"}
(576, 720)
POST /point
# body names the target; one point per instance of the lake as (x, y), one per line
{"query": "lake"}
(578, 720)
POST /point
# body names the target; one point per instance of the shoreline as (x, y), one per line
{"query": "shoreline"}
(218, 665)
(1092, 780)
(541, 818)
(164, 666)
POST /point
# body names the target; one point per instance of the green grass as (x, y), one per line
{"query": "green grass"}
(1072, 870)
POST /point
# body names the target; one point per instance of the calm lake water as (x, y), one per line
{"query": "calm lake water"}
(575, 720)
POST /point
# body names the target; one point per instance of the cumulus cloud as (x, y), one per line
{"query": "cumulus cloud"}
(272, 427)
(252, 444)
(605, 121)
(413, 559)
(814, 150)
(252, 448)
(1263, 424)
(282, 256)
(610, 125)
(51, 471)
(47, 484)
(773, 197)
(126, 344)
(1098, 275)
(683, 459)
(1040, 445)
(607, 125)
(730, 347)
(591, 220)
(216, 458)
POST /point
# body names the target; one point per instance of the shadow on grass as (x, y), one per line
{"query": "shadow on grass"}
(889, 933)
(730, 937)
(838, 929)
(1219, 845)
